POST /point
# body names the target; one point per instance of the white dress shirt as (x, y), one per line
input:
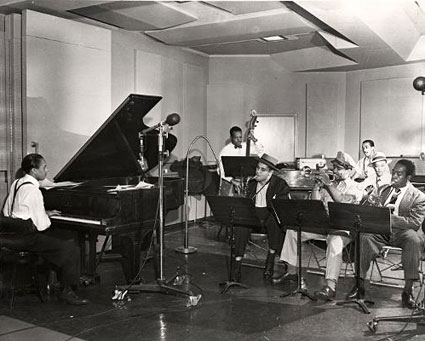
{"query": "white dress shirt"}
(257, 149)
(29, 203)
(261, 192)
(399, 198)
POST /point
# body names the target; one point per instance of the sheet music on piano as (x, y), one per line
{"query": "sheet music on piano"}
(140, 185)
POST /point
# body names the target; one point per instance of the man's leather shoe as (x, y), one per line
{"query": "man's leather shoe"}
(407, 300)
(70, 297)
(356, 292)
(303, 284)
(325, 294)
(286, 277)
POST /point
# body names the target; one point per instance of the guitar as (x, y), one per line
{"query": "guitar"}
(251, 125)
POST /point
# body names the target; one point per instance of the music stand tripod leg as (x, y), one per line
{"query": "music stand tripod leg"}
(231, 282)
(299, 289)
(359, 301)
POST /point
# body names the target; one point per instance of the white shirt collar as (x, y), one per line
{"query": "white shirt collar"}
(29, 178)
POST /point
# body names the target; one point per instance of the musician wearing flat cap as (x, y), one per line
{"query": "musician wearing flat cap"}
(342, 189)
(407, 205)
(262, 189)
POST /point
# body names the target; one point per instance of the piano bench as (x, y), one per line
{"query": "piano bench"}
(19, 270)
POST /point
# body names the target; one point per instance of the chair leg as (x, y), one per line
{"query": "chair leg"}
(36, 282)
(13, 287)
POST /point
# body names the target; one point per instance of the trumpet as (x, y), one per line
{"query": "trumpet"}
(309, 173)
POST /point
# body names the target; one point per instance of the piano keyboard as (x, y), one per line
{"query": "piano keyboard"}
(77, 220)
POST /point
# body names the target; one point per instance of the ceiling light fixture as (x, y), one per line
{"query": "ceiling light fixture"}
(273, 38)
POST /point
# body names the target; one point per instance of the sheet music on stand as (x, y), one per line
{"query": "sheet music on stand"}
(359, 219)
(233, 211)
(301, 216)
(239, 166)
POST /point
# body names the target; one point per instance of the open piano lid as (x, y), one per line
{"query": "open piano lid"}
(113, 150)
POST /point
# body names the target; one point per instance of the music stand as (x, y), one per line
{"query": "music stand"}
(359, 219)
(239, 167)
(301, 215)
(233, 211)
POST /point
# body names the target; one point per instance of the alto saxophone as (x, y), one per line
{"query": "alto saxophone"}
(371, 198)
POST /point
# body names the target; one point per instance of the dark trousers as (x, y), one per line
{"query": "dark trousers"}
(410, 241)
(64, 254)
(275, 234)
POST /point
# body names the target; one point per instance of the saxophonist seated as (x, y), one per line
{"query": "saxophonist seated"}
(374, 182)
(343, 189)
(408, 213)
(262, 188)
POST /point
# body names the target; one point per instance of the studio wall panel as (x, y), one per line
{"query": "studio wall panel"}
(391, 115)
(67, 83)
(323, 125)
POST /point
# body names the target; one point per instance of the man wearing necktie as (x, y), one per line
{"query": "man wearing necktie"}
(236, 147)
(407, 205)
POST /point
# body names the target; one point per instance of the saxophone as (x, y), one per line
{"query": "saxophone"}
(371, 198)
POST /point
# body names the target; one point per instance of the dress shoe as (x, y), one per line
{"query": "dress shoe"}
(356, 292)
(286, 277)
(325, 294)
(303, 284)
(407, 300)
(70, 297)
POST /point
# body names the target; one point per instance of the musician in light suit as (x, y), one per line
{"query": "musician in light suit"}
(262, 189)
(408, 212)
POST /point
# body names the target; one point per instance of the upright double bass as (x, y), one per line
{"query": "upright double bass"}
(251, 126)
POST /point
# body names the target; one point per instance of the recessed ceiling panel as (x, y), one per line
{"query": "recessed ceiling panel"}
(235, 29)
(258, 47)
(136, 15)
(310, 59)
(243, 7)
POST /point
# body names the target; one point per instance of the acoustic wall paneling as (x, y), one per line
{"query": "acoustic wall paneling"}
(225, 107)
(68, 85)
(392, 115)
(278, 134)
(324, 128)
(10, 101)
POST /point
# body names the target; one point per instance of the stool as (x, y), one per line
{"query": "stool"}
(20, 264)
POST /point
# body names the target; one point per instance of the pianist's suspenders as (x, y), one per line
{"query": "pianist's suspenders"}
(14, 195)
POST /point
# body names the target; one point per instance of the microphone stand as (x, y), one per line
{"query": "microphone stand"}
(186, 249)
(162, 285)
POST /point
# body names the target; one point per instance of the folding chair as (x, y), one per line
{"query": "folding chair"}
(320, 259)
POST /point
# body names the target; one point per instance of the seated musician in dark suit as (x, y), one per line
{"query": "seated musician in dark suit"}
(408, 212)
(25, 202)
(262, 189)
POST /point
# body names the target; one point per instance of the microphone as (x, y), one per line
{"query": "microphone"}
(171, 120)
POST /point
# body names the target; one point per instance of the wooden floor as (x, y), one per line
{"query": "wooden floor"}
(256, 313)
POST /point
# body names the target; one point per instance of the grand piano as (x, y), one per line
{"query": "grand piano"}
(105, 202)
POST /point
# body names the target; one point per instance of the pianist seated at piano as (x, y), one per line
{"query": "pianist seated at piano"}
(25, 201)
